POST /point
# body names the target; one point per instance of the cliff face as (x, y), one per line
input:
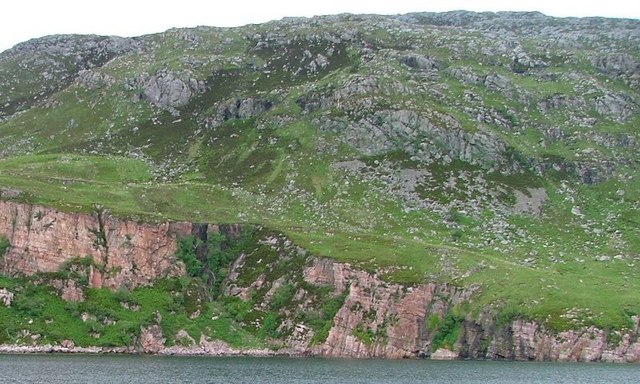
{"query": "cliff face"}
(129, 253)
(392, 321)
(379, 319)
(375, 319)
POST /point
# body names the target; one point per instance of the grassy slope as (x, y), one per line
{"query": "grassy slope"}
(84, 150)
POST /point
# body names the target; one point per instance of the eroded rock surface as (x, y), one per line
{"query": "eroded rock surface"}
(42, 239)
(6, 297)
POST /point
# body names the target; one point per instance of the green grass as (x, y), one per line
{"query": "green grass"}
(73, 168)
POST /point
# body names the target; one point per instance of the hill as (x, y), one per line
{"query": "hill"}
(491, 153)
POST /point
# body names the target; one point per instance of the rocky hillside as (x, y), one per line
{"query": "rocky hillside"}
(488, 159)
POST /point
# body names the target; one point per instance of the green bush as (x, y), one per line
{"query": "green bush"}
(366, 336)
(323, 325)
(448, 331)
(187, 254)
(209, 261)
(29, 306)
(270, 325)
(238, 309)
(433, 322)
(4, 245)
(282, 297)
(221, 251)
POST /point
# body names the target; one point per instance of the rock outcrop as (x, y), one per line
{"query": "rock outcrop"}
(238, 109)
(151, 339)
(6, 297)
(91, 79)
(433, 137)
(58, 60)
(169, 90)
(128, 253)
(378, 319)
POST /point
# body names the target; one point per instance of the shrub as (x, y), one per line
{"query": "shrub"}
(4, 245)
(329, 310)
(270, 325)
(187, 254)
(282, 296)
(366, 336)
(209, 261)
(29, 306)
(237, 308)
(433, 322)
(448, 331)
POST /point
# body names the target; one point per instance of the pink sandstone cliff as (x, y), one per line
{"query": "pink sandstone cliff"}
(399, 315)
(131, 253)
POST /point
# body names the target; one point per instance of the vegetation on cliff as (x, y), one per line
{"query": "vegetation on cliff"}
(49, 308)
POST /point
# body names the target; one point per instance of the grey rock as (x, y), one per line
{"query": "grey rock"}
(613, 140)
(243, 108)
(559, 101)
(427, 137)
(616, 64)
(521, 61)
(6, 297)
(494, 82)
(9, 193)
(588, 171)
(320, 62)
(420, 62)
(531, 202)
(349, 165)
(353, 86)
(553, 134)
(239, 109)
(617, 106)
(46, 65)
(92, 79)
(466, 75)
(170, 91)
(87, 50)
(497, 82)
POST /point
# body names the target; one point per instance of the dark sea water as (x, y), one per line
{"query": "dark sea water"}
(160, 369)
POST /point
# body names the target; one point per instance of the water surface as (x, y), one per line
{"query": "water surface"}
(52, 369)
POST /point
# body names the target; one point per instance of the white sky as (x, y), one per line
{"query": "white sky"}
(21, 20)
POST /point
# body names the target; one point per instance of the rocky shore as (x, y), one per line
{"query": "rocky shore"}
(219, 349)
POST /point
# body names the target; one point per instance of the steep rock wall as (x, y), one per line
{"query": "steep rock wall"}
(393, 316)
(129, 253)
(395, 320)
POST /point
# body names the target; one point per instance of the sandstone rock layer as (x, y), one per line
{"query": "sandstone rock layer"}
(129, 253)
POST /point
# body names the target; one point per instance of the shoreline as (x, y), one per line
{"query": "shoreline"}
(7, 349)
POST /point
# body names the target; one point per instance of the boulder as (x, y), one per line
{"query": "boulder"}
(169, 90)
